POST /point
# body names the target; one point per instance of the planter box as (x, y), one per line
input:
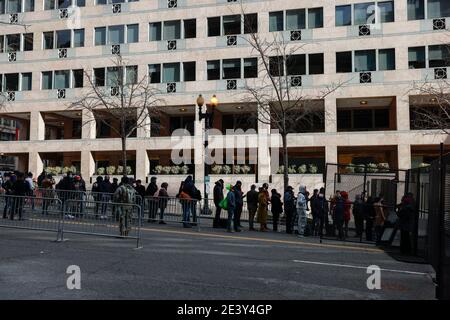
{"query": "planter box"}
(310, 180)
(246, 179)
(111, 177)
(173, 180)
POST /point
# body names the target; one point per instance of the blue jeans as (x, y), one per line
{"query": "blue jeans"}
(186, 206)
(231, 212)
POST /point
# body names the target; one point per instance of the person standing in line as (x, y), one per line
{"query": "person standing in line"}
(7, 187)
(252, 206)
(218, 197)
(239, 199)
(151, 193)
(289, 208)
(115, 184)
(380, 218)
(301, 210)
(369, 216)
(316, 220)
(140, 190)
(276, 208)
(29, 180)
(321, 207)
(347, 208)
(47, 193)
(262, 209)
(231, 207)
(21, 188)
(358, 215)
(96, 194)
(106, 194)
(125, 195)
(406, 222)
(163, 198)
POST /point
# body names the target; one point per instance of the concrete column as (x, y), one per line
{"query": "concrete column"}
(89, 127)
(145, 126)
(330, 114)
(400, 11)
(142, 164)
(404, 156)
(264, 139)
(199, 150)
(331, 155)
(87, 165)
(402, 111)
(37, 126)
(35, 164)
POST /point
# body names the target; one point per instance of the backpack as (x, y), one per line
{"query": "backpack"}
(224, 203)
(127, 195)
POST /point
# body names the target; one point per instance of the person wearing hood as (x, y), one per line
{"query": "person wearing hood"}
(153, 201)
(301, 210)
(289, 208)
(231, 207)
(321, 208)
(218, 196)
(358, 215)
(262, 209)
(239, 196)
(406, 222)
(252, 206)
(347, 207)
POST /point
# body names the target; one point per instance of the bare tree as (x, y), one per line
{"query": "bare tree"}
(124, 104)
(281, 100)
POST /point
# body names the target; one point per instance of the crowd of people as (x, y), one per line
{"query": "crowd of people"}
(326, 216)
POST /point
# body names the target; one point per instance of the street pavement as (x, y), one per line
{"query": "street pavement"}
(177, 263)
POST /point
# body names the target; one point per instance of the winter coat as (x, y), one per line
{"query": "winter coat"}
(262, 208)
(277, 205)
(252, 199)
(231, 201)
(218, 193)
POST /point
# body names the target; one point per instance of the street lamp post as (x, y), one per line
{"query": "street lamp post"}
(208, 116)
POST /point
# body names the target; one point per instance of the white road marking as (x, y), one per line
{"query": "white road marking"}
(358, 267)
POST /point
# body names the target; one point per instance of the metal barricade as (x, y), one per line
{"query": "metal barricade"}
(31, 212)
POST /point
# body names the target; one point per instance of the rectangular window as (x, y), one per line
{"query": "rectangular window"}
(132, 33)
(362, 119)
(28, 6)
(13, 42)
(190, 29)
(116, 34)
(276, 21)
(343, 62)
(189, 71)
(155, 31)
(78, 38)
(172, 30)
(251, 68)
(343, 15)
(2, 11)
(386, 59)
(213, 69)
(416, 9)
(99, 77)
(12, 82)
(63, 39)
(14, 6)
(232, 25)
(363, 13)
(78, 78)
(315, 18)
(416, 57)
(2, 44)
(62, 79)
(114, 76)
(276, 66)
(316, 65)
(438, 9)
(251, 23)
(100, 36)
(48, 40)
(171, 72)
(381, 118)
(214, 27)
(62, 4)
(154, 73)
(27, 42)
(386, 9)
(131, 75)
(296, 65)
(47, 80)
(231, 68)
(295, 19)
(439, 56)
(365, 60)
(26, 81)
(49, 4)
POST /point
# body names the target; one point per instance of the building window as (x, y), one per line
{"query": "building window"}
(155, 31)
(386, 59)
(315, 18)
(232, 25)
(365, 60)
(438, 9)
(251, 68)
(213, 69)
(231, 68)
(62, 79)
(28, 42)
(100, 36)
(132, 33)
(26, 81)
(13, 42)
(171, 72)
(12, 82)
(172, 30)
(276, 22)
(439, 56)
(214, 27)
(99, 77)
(416, 58)
(276, 66)
(295, 19)
(131, 75)
(154, 73)
(78, 38)
(416, 9)
(63, 39)
(386, 10)
(189, 71)
(343, 62)
(296, 65)
(13, 6)
(343, 15)
(316, 65)
(116, 34)
(251, 23)
(47, 80)
(190, 29)
(363, 13)
(77, 78)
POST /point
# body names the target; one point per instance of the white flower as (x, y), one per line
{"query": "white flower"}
(237, 169)
(313, 168)
(226, 169)
(302, 169)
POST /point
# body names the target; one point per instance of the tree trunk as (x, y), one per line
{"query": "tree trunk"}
(124, 155)
(285, 161)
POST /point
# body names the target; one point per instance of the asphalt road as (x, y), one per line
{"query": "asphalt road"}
(176, 263)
